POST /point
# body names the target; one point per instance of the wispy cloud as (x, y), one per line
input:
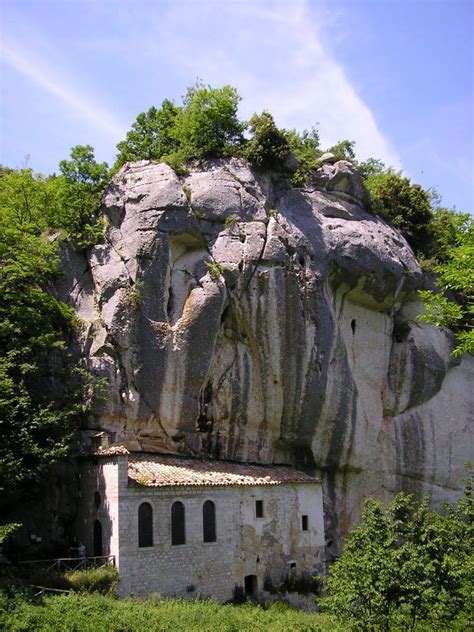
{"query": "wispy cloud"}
(44, 76)
(274, 53)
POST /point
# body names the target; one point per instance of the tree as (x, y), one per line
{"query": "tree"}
(269, 147)
(39, 396)
(404, 205)
(305, 148)
(151, 136)
(80, 188)
(455, 278)
(404, 565)
(207, 126)
(343, 150)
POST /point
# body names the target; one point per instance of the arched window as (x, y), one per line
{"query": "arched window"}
(145, 525)
(178, 529)
(209, 521)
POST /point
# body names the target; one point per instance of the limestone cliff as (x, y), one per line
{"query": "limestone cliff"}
(238, 317)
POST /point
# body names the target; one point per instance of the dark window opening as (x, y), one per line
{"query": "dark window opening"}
(97, 499)
(250, 584)
(178, 531)
(304, 523)
(145, 525)
(258, 509)
(97, 539)
(353, 326)
(209, 521)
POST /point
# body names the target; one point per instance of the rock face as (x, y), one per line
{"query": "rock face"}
(236, 317)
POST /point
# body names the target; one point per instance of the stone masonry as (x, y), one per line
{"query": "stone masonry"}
(279, 543)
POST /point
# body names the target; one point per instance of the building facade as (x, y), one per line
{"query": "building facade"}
(191, 527)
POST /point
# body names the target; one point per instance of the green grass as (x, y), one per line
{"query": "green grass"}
(100, 613)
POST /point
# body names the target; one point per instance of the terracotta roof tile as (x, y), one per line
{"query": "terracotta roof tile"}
(152, 470)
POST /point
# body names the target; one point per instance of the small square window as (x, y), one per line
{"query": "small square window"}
(259, 508)
(304, 523)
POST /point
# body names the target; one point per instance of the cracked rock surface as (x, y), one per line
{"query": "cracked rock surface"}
(239, 318)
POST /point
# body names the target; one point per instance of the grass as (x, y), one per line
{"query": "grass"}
(100, 613)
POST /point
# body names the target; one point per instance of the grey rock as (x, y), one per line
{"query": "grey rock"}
(242, 319)
(328, 157)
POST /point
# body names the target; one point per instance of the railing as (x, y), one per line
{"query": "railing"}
(72, 563)
(41, 591)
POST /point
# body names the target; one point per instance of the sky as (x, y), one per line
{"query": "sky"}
(396, 76)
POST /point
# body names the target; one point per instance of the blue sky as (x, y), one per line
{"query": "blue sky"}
(396, 76)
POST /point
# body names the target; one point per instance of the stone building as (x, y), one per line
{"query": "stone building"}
(179, 526)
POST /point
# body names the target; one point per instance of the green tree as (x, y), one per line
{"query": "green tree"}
(151, 137)
(344, 150)
(404, 205)
(207, 126)
(453, 305)
(305, 148)
(404, 565)
(80, 188)
(39, 397)
(269, 147)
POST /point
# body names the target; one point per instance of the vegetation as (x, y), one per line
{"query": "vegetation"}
(269, 147)
(96, 579)
(404, 565)
(41, 388)
(98, 613)
(204, 126)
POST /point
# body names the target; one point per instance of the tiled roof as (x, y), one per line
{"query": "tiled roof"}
(152, 470)
(112, 451)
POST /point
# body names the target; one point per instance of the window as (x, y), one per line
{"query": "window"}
(97, 539)
(259, 508)
(97, 499)
(178, 530)
(209, 521)
(145, 525)
(304, 523)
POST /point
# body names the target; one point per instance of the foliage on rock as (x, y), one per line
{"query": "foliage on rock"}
(269, 147)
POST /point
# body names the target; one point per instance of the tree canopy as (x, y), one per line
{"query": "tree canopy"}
(404, 565)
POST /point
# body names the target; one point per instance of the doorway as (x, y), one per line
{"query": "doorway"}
(251, 585)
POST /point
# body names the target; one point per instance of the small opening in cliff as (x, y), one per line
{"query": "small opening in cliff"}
(353, 326)
(204, 421)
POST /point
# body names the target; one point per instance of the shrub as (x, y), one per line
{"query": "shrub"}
(207, 125)
(102, 579)
(151, 136)
(404, 565)
(269, 147)
(214, 269)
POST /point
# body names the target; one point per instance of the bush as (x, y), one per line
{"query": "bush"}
(102, 579)
(404, 565)
(404, 205)
(269, 147)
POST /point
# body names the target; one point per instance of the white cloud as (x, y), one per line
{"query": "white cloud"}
(45, 78)
(273, 52)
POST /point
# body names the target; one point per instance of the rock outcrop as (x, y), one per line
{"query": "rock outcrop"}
(238, 317)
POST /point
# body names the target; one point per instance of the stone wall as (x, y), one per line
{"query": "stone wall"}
(271, 546)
